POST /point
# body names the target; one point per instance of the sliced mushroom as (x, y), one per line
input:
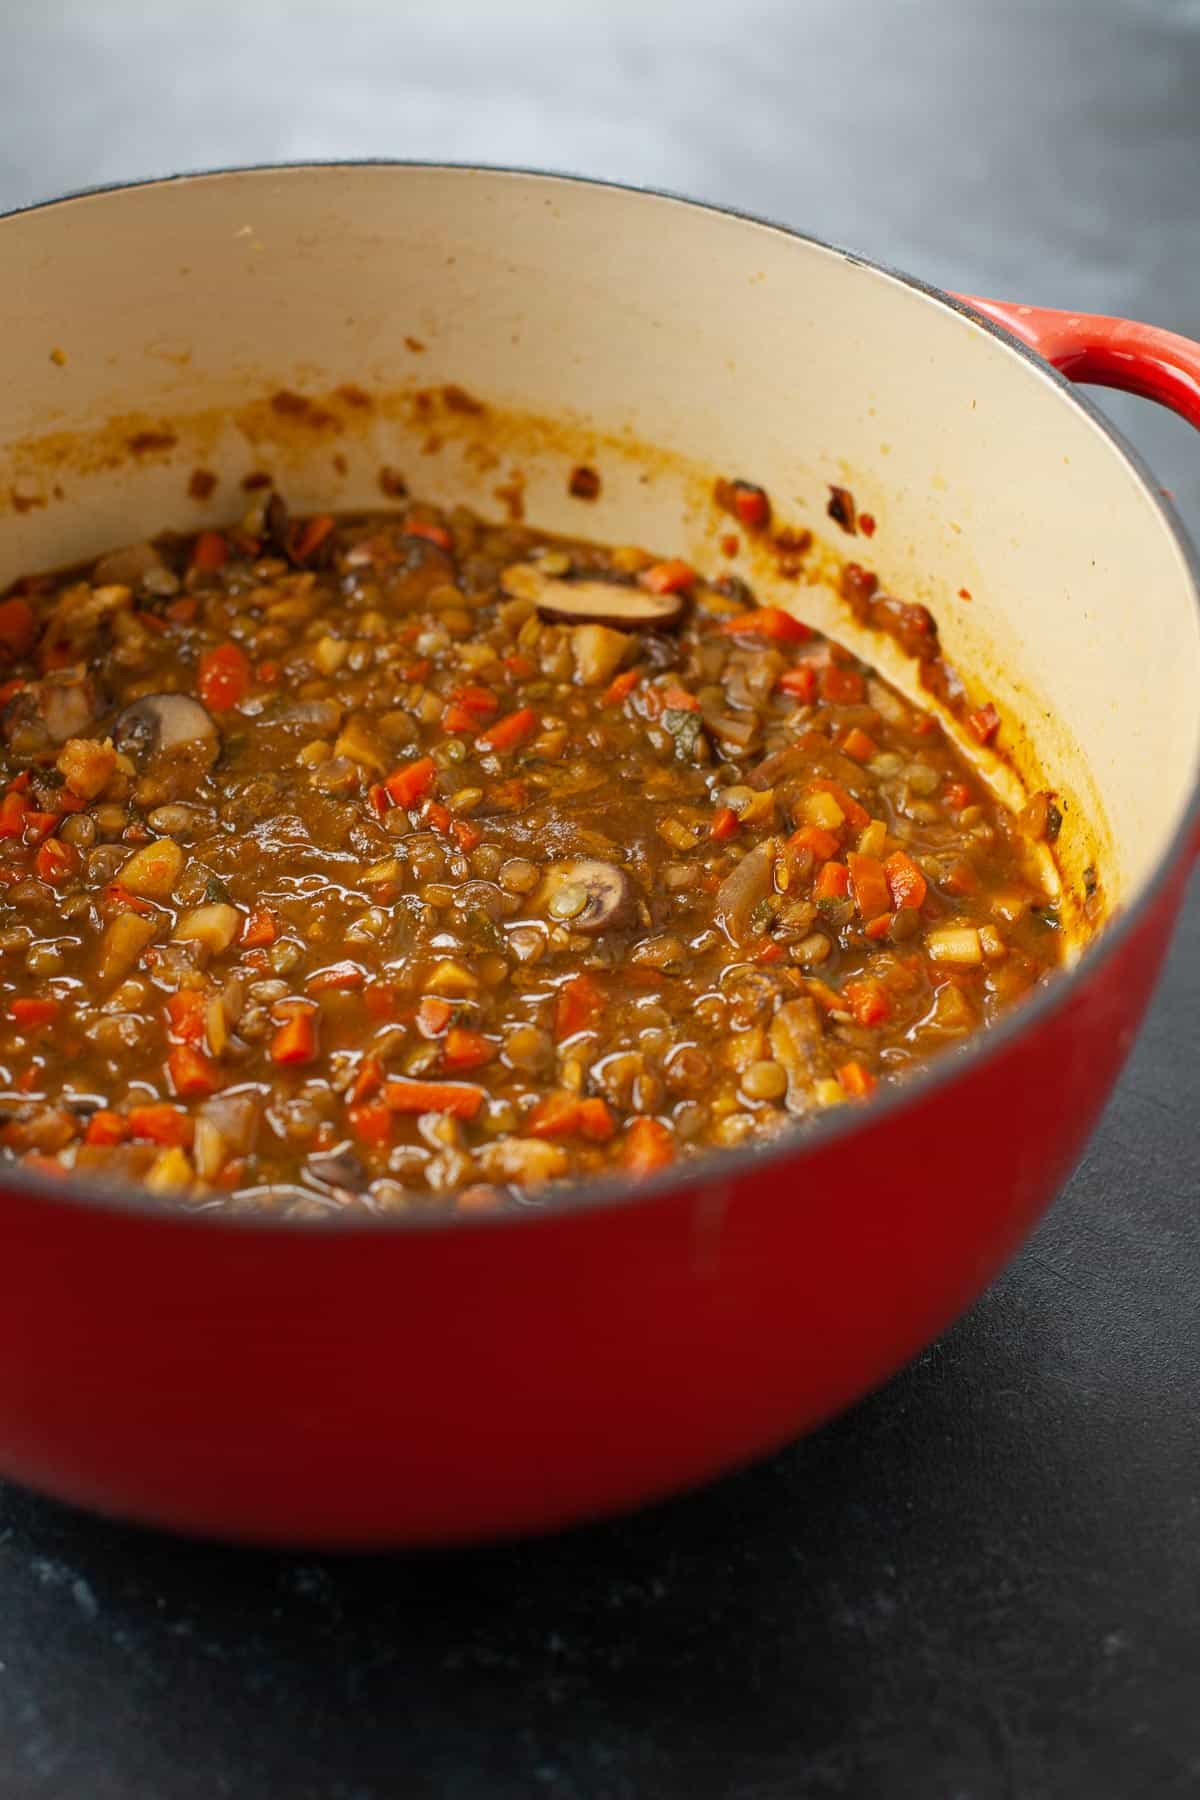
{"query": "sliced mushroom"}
(750, 882)
(130, 567)
(341, 1170)
(598, 602)
(47, 713)
(587, 896)
(798, 1044)
(168, 725)
(781, 765)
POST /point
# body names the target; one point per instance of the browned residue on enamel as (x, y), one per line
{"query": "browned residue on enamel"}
(144, 443)
(202, 484)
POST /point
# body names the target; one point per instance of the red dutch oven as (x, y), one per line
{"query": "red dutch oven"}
(422, 1380)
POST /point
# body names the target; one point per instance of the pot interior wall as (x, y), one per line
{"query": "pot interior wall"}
(157, 330)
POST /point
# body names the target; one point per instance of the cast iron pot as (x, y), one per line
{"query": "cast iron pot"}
(419, 1381)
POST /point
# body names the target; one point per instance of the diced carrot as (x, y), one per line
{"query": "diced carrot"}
(417, 671)
(956, 795)
(105, 1127)
(557, 1115)
(478, 700)
(436, 816)
(367, 1081)
(183, 610)
(28, 1013)
(767, 622)
(669, 577)
(579, 1003)
(832, 883)
(871, 893)
(800, 682)
(55, 861)
(296, 1039)
(186, 1014)
(436, 534)
(878, 928)
(869, 1001)
(858, 746)
(510, 732)
(307, 540)
(378, 799)
(822, 843)
(379, 998)
(984, 722)
(766, 950)
(18, 628)
(459, 1098)
(907, 884)
(466, 835)
(841, 686)
(596, 1121)
(118, 896)
(12, 814)
(161, 1123)
(407, 783)
(751, 505)
(433, 1015)
(677, 699)
(518, 667)
(223, 677)
(464, 1050)
(209, 551)
(339, 978)
(192, 1073)
(725, 824)
(648, 1145)
(260, 928)
(371, 1123)
(856, 1080)
(857, 816)
(620, 687)
(457, 718)
(39, 825)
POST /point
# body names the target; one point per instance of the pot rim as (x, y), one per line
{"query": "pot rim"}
(718, 1167)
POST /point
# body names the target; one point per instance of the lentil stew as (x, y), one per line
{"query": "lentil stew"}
(407, 860)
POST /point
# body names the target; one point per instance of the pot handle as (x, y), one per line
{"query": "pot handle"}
(1118, 353)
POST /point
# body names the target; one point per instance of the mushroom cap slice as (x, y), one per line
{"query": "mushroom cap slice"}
(588, 896)
(168, 725)
(597, 602)
(747, 883)
(129, 566)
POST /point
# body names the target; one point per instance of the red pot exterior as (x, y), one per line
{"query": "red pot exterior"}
(372, 1387)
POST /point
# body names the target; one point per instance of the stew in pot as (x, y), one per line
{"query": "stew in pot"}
(406, 860)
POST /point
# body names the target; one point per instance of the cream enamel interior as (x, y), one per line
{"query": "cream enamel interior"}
(664, 343)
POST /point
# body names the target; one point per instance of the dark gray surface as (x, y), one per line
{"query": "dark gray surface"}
(983, 1584)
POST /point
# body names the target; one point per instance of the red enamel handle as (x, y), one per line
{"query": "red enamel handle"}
(1117, 353)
